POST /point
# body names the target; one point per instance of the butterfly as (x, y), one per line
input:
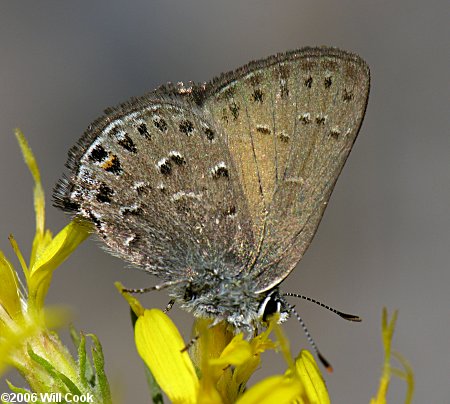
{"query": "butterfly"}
(218, 188)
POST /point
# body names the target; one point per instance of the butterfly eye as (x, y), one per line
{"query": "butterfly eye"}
(269, 306)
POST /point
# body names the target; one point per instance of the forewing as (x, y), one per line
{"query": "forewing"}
(290, 122)
(155, 178)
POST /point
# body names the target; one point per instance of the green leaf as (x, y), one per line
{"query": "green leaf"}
(59, 377)
(99, 364)
(82, 361)
(85, 370)
(16, 389)
(21, 390)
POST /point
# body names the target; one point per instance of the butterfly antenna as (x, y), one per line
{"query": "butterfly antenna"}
(346, 316)
(322, 359)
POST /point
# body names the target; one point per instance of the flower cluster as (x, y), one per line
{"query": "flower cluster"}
(26, 340)
(219, 363)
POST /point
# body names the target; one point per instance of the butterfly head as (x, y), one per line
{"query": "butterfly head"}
(272, 304)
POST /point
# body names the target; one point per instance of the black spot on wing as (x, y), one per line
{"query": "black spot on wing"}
(308, 82)
(127, 143)
(160, 124)
(186, 127)
(112, 165)
(234, 108)
(210, 135)
(258, 96)
(98, 153)
(104, 193)
(143, 131)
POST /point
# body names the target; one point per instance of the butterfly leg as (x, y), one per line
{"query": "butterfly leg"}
(194, 339)
(161, 286)
(169, 306)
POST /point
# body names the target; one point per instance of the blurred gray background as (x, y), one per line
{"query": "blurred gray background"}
(384, 240)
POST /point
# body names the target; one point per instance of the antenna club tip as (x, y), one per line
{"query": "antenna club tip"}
(350, 317)
(325, 363)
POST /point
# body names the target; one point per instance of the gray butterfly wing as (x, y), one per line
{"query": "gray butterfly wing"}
(154, 176)
(289, 122)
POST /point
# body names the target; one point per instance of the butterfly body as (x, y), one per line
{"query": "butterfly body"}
(219, 188)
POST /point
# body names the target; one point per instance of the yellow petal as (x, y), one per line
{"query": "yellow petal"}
(208, 393)
(262, 342)
(219, 373)
(64, 243)
(245, 370)
(407, 374)
(205, 353)
(211, 342)
(9, 296)
(134, 303)
(235, 353)
(160, 344)
(12, 342)
(275, 389)
(30, 161)
(387, 334)
(242, 374)
(283, 344)
(40, 242)
(311, 378)
(19, 256)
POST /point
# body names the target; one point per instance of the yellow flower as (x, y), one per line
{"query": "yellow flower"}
(48, 252)
(22, 312)
(219, 363)
(406, 374)
(26, 341)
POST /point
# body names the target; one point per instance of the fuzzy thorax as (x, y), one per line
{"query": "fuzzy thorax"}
(221, 296)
